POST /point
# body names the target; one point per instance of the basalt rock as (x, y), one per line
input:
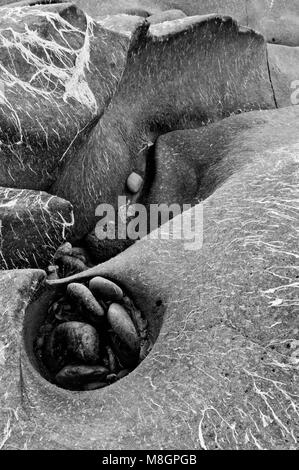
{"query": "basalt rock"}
(225, 355)
(228, 72)
(284, 72)
(277, 20)
(52, 57)
(169, 15)
(222, 308)
(33, 225)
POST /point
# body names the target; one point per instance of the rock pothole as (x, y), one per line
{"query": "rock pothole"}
(87, 335)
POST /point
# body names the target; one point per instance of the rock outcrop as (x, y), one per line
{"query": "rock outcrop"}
(220, 300)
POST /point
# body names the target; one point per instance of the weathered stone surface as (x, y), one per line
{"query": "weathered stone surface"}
(72, 342)
(191, 164)
(90, 376)
(33, 225)
(235, 79)
(225, 356)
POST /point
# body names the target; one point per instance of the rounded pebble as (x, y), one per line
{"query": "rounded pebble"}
(78, 375)
(134, 182)
(106, 290)
(88, 305)
(72, 342)
(123, 326)
(111, 359)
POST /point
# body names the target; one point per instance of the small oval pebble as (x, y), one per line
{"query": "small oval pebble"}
(78, 375)
(87, 303)
(134, 182)
(167, 15)
(123, 326)
(65, 249)
(72, 342)
(104, 289)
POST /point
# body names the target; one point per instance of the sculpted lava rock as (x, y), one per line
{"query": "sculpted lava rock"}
(81, 296)
(123, 326)
(77, 376)
(33, 225)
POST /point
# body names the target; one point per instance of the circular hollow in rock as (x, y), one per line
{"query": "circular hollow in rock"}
(72, 351)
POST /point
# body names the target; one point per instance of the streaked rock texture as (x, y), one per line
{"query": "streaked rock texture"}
(33, 225)
(89, 131)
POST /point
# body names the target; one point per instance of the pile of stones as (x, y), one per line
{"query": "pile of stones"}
(93, 336)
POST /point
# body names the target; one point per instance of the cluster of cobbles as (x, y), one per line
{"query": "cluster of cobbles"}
(93, 336)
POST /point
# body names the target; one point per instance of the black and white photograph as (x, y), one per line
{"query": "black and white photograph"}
(149, 229)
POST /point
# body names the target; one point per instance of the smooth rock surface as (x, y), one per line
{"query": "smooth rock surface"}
(82, 299)
(224, 370)
(233, 76)
(123, 326)
(284, 72)
(70, 343)
(103, 289)
(51, 92)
